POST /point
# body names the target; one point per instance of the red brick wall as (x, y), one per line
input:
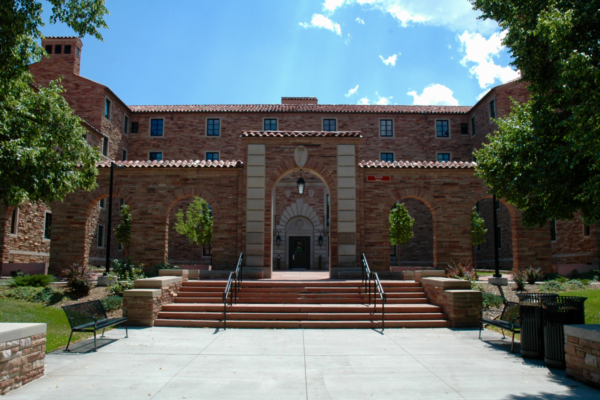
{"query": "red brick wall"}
(30, 234)
(419, 250)
(571, 246)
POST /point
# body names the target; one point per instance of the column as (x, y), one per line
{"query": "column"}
(255, 208)
(346, 187)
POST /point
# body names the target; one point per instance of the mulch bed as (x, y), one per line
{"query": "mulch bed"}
(510, 292)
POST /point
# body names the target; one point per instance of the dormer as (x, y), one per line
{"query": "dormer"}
(64, 53)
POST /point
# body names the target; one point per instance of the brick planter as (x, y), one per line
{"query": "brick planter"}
(22, 354)
(461, 304)
(582, 353)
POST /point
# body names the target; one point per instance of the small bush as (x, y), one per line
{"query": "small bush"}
(46, 295)
(520, 279)
(39, 280)
(157, 267)
(112, 303)
(119, 287)
(491, 300)
(563, 285)
(460, 271)
(17, 273)
(126, 270)
(533, 274)
(79, 279)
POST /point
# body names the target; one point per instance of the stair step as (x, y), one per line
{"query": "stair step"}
(296, 284)
(243, 297)
(303, 308)
(298, 316)
(271, 300)
(303, 324)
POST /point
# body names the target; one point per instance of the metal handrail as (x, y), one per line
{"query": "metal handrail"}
(235, 279)
(366, 276)
(382, 296)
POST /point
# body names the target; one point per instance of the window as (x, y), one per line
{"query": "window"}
(105, 146)
(48, 225)
(393, 251)
(442, 128)
(102, 203)
(49, 48)
(14, 222)
(121, 202)
(586, 230)
(473, 126)
(388, 157)
(329, 125)
(155, 156)
(499, 236)
(212, 156)
(443, 156)
(207, 249)
(553, 230)
(77, 52)
(386, 128)
(477, 206)
(478, 247)
(124, 155)
(119, 247)
(125, 124)
(156, 127)
(107, 108)
(58, 49)
(67, 49)
(492, 109)
(464, 129)
(134, 127)
(100, 236)
(213, 127)
(270, 124)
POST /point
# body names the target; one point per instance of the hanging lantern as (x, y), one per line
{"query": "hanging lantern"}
(320, 239)
(278, 240)
(301, 184)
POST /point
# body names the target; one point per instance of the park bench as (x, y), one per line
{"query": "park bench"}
(509, 320)
(91, 317)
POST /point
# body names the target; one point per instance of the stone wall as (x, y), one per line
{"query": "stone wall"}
(582, 353)
(461, 304)
(22, 354)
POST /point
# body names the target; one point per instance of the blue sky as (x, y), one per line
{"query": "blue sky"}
(255, 52)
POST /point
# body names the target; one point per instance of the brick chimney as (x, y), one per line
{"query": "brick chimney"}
(299, 100)
(64, 54)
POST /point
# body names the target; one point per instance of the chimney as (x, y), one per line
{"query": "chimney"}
(299, 100)
(64, 53)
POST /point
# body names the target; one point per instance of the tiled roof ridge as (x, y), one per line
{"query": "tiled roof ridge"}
(282, 134)
(416, 164)
(308, 108)
(174, 164)
(299, 98)
(62, 37)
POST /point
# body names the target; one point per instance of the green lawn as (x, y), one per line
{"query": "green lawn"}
(58, 331)
(592, 304)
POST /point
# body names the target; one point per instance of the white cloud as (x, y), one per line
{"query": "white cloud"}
(390, 60)
(331, 5)
(434, 95)
(364, 101)
(479, 55)
(351, 91)
(347, 41)
(360, 21)
(321, 21)
(384, 101)
(482, 94)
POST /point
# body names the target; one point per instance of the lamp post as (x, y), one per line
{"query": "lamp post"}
(109, 227)
(496, 260)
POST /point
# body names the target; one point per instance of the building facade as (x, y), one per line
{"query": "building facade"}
(356, 161)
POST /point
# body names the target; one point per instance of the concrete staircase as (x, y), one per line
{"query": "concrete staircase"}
(301, 304)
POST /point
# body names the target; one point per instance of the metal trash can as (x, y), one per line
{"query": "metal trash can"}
(567, 310)
(532, 323)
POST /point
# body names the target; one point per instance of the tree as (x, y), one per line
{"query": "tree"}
(196, 224)
(43, 151)
(401, 224)
(123, 230)
(544, 156)
(478, 231)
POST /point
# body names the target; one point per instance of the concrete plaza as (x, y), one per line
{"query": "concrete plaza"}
(193, 363)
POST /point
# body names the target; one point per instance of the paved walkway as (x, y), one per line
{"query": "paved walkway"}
(185, 363)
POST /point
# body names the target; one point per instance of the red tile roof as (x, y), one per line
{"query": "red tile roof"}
(303, 108)
(175, 164)
(299, 98)
(416, 164)
(61, 37)
(298, 134)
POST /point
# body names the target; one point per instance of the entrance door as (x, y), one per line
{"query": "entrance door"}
(299, 252)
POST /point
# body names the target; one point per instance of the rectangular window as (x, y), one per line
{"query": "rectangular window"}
(443, 157)
(586, 230)
(77, 52)
(105, 146)
(464, 129)
(478, 247)
(58, 49)
(124, 155)
(392, 251)
(100, 236)
(327, 200)
(499, 235)
(213, 127)
(207, 249)
(14, 222)
(386, 128)
(329, 125)
(442, 128)
(492, 109)
(48, 225)
(125, 124)
(270, 124)
(49, 48)
(477, 206)
(388, 157)
(67, 49)
(553, 230)
(119, 247)
(134, 127)
(121, 202)
(155, 156)
(102, 203)
(473, 131)
(107, 108)
(212, 156)
(156, 127)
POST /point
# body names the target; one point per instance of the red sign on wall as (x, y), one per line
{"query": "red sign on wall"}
(378, 178)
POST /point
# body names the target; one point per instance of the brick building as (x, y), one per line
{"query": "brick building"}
(357, 161)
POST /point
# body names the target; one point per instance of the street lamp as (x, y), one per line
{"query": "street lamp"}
(496, 260)
(109, 228)
(320, 239)
(301, 184)
(278, 240)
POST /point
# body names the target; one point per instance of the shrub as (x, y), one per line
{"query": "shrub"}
(460, 271)
(491, 300)
(112, 303)
(159, 266)
(563, 285)
(79, 279)
(39, 280)
(533, 274)
(126, 270)
(17, 273)
(46, 295)
(119, 287)
(520, 279)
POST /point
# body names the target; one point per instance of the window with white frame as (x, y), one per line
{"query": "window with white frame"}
(387, 157)
(107, 105)
(105, 146)
(329, 125)
(213, 127)
(212, 156)
(156, 126)
(14, 222)
(155, 156)
(48, 225)
(442, 128)
(100, 236)
(386, 128)
(270, 124)
(443, 157)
